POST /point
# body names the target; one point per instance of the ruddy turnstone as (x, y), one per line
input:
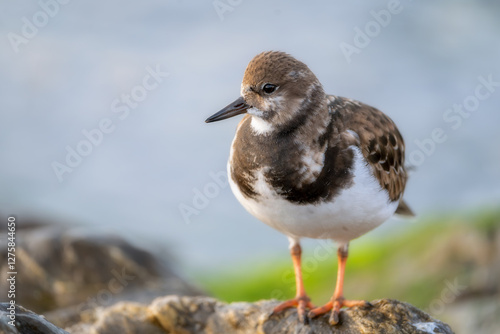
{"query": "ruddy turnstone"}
(312, 165)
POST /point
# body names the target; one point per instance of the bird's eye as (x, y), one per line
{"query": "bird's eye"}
(269, 88)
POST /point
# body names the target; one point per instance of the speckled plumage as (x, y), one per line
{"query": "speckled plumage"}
(316, 122)
(301, 139)
(379, 139)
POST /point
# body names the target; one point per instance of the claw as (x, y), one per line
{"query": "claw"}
(335, 306)
(334, 317)
(303, 319)
(301, 303)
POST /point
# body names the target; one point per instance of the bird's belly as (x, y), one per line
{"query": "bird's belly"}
(350, 214)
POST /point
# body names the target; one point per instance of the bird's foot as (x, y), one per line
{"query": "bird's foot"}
(335, 306)
(301, 302)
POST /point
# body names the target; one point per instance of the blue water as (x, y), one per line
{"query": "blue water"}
(71, 75)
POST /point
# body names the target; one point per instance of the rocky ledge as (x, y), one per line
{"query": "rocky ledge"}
(175, 314)
(89, 282)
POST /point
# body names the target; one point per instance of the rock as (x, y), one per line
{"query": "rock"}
(183, 315)
(65, 271)
(26, 322)
(479, 315)
(124, 317)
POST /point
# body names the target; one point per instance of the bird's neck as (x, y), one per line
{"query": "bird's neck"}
(310, 121)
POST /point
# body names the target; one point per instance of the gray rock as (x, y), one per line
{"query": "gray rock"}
(26, 322)
(63, 272)
(183, 315)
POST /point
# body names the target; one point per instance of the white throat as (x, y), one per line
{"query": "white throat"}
(259, 126)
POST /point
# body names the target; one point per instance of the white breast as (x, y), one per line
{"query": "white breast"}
(350, 214)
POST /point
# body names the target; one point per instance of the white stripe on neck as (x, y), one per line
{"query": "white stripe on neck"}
(260, 126)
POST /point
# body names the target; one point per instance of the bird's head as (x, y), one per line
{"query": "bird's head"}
(274, 88)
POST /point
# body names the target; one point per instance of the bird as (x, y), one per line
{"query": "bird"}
(312, 165)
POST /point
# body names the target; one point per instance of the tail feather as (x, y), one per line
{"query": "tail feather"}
(404, 209)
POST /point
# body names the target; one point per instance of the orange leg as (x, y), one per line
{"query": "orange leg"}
(338, 301)
(301, 300)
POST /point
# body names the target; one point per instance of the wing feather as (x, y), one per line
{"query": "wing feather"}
(380, 141)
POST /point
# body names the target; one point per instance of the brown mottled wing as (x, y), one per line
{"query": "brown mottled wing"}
(381, 143)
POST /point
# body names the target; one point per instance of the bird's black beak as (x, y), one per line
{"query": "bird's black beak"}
(237, 107)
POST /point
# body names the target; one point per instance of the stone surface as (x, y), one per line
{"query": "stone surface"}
(101, 284)
(26, 322)
(182, 315)
(62, 272)
(98, 283)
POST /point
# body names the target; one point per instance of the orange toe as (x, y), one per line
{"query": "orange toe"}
(334, 307)
(301, 303)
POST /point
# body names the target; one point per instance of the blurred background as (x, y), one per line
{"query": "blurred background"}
(102, 109)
